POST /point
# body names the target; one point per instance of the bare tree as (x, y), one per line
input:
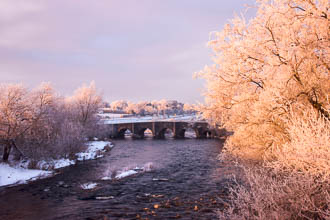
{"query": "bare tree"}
(20, 111)
(87, 101)
(84, 105)
(39, 123)
(15, 115)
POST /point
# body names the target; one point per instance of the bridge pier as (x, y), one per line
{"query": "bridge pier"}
(160, 134)
(179, 134)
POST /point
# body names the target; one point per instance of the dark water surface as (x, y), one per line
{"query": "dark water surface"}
(192, 181)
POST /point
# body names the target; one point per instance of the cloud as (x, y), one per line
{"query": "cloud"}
(149, 47)
(12, 12)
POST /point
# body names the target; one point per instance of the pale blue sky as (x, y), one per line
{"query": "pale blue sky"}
(133, 49)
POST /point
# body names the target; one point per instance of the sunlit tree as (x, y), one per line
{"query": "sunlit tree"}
(270, 85)
(119, 105)
(87, 101)
(15, 115)
(267, 68)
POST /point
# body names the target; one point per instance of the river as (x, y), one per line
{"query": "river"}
(186, 181)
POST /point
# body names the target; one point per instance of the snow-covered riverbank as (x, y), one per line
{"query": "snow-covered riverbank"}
(19, 174)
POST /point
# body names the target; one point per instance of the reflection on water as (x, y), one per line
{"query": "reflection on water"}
(185, 174)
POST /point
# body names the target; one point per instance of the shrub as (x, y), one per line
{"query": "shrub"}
(294, 181)
(273, 194)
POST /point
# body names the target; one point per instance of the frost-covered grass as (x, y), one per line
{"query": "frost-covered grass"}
(16, 175)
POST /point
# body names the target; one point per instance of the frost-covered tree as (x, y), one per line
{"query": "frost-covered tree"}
(119, 105)
(267, 68)
(163, 106)
(188, 108)
(20, 111)
(86, 101)
(270, 85)
(150, 108)
(15, 115)
(39, 123)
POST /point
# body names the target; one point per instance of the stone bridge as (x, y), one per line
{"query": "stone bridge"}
(202, 129)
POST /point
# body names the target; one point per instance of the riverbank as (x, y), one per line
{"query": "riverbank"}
(18, 173)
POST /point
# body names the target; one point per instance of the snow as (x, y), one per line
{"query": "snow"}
(88, 186)
(122, 174)
(63, 163)
(106, 178)
(16, 175)
(47, 165)
(126, 174)
(94, 150)
(112, 115)
(188, 118)
(128, 171)
(20, 174)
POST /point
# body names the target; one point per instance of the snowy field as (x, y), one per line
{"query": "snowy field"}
(118, 120)
(19, 174)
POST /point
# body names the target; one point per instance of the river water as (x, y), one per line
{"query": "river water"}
(186, 181)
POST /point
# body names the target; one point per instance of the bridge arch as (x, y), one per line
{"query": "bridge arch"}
(186, 129)
(148, 133)
(165, 133)
(159, 129)
(143, 132)
(122, 132)
(203, 132)
(191, 132)
(187, 132)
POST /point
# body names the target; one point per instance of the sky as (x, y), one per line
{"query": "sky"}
(133, 49)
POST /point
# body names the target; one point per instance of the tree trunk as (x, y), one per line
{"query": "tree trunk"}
(6, 152)
(19, 154)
